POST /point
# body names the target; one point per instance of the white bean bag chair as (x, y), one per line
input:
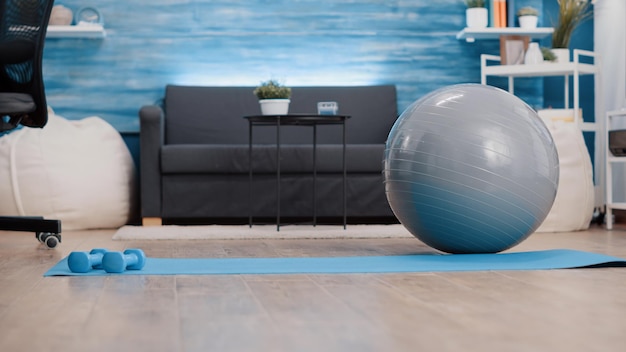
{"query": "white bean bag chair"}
(574, 203)
(79, 172)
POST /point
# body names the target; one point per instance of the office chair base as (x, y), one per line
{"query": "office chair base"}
(50, 240)
(46, 231)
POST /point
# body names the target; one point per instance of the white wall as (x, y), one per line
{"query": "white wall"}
(610, 44)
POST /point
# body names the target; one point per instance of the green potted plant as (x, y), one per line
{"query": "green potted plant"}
(548, 55)
(476, 15)
(528, 17)
(475, 3)
(273, 98)
(571, 14)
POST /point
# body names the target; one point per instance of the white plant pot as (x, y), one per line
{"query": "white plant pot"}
(562, 55)
(528, 21)
(476, 17)
(274, 106)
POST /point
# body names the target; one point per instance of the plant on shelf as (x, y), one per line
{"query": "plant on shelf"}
(548, 55)
(273, 98)
(475, 3)
(476, 15)
(527, 11)
(272, 90)
(528, 17)
(571, 14)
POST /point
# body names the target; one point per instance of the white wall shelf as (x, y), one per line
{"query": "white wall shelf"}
(543, 69)
(472, 34)
(574, 69)
(92, 31)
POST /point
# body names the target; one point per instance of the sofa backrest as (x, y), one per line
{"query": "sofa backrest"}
(214, 115)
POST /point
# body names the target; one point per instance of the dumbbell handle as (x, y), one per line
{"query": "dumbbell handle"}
(82, 262)
(117, 262)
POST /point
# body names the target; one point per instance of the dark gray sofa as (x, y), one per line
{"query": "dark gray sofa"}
(194, 157)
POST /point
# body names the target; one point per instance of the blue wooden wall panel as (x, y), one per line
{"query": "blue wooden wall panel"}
(152, 43)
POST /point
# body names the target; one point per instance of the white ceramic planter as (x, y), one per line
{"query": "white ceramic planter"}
(528, 21)
(274, 106)
(562, 55)
(476, 17)
(533, 55)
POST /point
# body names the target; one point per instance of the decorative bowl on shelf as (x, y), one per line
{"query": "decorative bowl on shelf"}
(87, 16)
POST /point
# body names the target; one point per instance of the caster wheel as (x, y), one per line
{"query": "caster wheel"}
(39, 236)
(49, 240)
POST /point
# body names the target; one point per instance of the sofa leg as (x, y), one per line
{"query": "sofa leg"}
(151, 222)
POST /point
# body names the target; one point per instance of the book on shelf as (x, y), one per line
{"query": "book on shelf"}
(510, 19)
(501, 13)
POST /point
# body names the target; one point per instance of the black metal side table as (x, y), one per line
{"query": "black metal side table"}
(311, 120)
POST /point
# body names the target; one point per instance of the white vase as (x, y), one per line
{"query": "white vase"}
(528, 21)
(562, 55)
(476, 17)
(61, 16)
(274, 106)
(533, 55)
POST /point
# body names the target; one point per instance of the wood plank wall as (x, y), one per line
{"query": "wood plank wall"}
(150, 43)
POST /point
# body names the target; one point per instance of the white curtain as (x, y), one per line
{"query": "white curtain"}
(610, 45)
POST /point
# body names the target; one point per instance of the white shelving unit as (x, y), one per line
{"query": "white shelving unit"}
(610, 160)
(92, 31)
(574, 69)
(472, 34)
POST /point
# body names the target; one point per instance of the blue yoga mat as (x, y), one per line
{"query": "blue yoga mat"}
(538, 260)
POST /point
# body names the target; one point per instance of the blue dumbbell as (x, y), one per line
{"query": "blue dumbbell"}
(117, 262)
(82, 262)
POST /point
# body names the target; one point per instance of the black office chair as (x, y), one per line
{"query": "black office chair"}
(23, 25)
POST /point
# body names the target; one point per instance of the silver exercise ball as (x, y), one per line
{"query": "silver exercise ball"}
(470, 168)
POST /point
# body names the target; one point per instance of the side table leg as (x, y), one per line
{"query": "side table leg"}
(314, 175)
(343, 125)
(278, 174)
(250, 174)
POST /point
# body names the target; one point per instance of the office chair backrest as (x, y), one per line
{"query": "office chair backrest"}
(23, 25)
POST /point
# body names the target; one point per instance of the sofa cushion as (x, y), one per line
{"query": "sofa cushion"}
(224, 159)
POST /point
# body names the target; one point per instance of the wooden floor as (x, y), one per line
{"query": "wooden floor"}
(557, 310)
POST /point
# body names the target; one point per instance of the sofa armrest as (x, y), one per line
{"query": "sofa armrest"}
(151, 122)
